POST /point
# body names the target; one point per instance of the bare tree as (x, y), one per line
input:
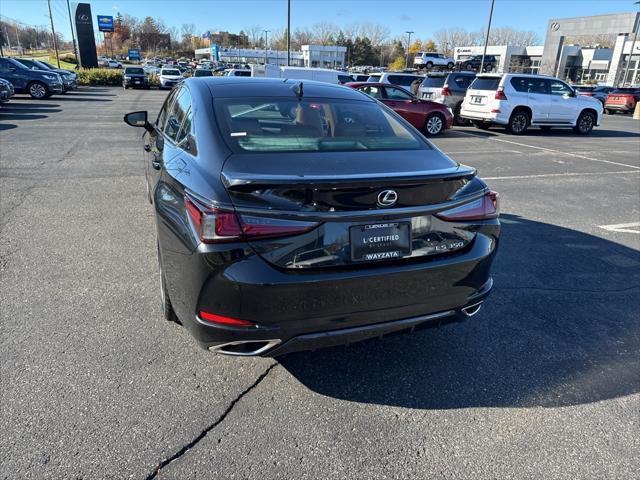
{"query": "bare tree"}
(451, 38)
(323, 32)
(375, 32)
(301, 36)
(255, 34)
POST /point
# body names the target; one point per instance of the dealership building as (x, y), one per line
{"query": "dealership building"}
(571, 61)
(326, 56)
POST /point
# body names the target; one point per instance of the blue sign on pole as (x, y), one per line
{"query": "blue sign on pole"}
(134, 54)
(215, 52)
(105, 23)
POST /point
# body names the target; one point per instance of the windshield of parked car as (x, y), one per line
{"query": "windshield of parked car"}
(433, 82)
(626, 90)
(203, 73)
(171, 72)
(312, 125)
(133, 71)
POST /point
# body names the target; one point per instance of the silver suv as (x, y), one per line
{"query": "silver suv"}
(447, 88)
(429, 60)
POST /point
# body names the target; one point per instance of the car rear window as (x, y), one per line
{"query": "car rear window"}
(133, 71)
(258, 125)
(402, 80)
(433, 82)
(627, 90)
(203, 73)
(485, 83)
(170, 72)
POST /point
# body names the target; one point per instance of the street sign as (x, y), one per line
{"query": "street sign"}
(215, 52)
(134, 54)
(105, 23)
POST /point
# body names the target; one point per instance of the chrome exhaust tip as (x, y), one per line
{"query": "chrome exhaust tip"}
(244, 348)
(471, 310)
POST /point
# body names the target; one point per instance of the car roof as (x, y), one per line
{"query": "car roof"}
(239, 87)
(403, 74)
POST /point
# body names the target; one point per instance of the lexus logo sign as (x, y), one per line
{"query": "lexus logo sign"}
(387, 198)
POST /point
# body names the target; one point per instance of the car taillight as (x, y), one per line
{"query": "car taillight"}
(484, 208)
(215, 225)
(222, 320)
(500, 94)
(446, 92)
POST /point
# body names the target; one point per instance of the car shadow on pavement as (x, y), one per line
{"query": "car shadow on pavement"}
(26, 116)
(76, 93)
(561, 328)
(558, 132)
(7, 126)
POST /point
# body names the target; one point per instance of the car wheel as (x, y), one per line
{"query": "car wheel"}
(481, 125)
(38, 90)
(450, 65)
(609, 112)
(429, 65)
(457, 119)
(167, 309)
(585, 123)
(518, 123)
(434, 125)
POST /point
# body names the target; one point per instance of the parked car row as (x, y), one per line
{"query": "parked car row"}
(39, 83)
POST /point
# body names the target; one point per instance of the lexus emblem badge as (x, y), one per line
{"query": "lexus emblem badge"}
(387, 198)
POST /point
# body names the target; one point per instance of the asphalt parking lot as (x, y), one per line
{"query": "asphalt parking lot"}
(543, 383)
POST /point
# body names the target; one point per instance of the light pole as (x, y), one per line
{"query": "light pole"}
(633, 44)
(53, 32)
(73, 35)
(406, 57)
(486, 38)
(288, 33)
(266, 43)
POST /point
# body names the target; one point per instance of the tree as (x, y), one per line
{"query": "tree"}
(255, 34)
(323, 32)
(187, 30)
(429, 46)
(363, 52)
(301, 36)
(397, 64)
(415, 47)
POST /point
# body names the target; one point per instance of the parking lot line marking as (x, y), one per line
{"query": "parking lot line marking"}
(567, 174)
(623, 227)
(560, 152)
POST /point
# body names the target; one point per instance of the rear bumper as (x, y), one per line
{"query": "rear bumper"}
(324, 307)
(626, 108)
(488, 117)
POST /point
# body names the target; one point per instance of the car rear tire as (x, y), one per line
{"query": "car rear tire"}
(450, 65)
(518, 123)
(429, 65)
(434, 125)
(609, 112)
(165, 303)
(586, 122)
(38, 90)
(481, 125)
(457, 119)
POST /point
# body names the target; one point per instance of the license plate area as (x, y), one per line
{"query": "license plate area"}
(380, 241)
(476, 100)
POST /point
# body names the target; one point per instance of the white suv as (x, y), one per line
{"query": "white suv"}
(519, 101)
(430, 60)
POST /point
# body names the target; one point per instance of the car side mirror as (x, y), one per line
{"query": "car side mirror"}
(138, 119)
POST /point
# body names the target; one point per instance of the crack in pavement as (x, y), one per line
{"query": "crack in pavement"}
(204, 432)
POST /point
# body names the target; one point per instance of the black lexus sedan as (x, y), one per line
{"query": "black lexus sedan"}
(135, 77)
(293, 215)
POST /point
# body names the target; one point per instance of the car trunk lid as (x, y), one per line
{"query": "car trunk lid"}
(349, 209)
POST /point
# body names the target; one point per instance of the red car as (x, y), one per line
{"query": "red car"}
(622, 100)
(431, 118)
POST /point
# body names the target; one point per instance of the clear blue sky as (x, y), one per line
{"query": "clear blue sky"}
(422, 16)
